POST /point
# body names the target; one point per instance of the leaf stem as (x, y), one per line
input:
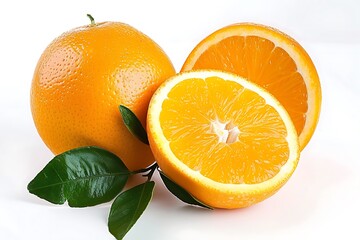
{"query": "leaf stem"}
(149, 171)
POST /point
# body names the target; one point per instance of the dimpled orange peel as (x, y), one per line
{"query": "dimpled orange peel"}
(84, 75)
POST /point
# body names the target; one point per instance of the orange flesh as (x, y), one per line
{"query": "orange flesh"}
(189, 116)
(260, 61)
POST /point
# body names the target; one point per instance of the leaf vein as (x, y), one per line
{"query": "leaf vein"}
(79, 179)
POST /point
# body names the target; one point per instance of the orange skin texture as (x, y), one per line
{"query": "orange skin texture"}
(84, 75)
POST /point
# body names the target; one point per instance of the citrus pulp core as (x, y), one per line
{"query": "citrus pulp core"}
(216, 137)
(224, 139)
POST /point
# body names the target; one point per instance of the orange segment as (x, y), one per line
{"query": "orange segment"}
(224, 139)
(271, 59)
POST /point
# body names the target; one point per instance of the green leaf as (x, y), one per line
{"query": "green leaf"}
(83, 176)
(180, 192)
(133, 124)
(128, 207)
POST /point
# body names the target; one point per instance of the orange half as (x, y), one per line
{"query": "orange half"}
(271, 59)
(227, 141)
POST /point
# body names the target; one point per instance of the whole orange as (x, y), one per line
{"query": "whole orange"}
(84, 75)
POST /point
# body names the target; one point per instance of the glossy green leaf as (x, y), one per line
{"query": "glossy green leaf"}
(128, 207)
(180, 192)
(133, 124)
(83, 176)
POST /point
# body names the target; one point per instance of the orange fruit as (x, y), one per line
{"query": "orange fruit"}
(224, 139)
(271, 59)
(84, 75)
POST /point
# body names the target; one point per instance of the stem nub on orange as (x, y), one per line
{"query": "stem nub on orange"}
(84, 75)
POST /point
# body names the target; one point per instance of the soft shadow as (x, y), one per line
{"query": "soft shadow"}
(293, 205)
(296, 202)
(162, 197)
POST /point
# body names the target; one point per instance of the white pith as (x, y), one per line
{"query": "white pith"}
(226, 132)
(158, 136)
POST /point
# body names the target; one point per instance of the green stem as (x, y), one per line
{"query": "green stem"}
(149, 171)
(92, 20)
(150, 174)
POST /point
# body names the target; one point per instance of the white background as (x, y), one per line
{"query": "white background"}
(320, 201)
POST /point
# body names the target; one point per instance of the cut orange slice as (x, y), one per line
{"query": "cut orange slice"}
(271, 59)
(227, 141)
